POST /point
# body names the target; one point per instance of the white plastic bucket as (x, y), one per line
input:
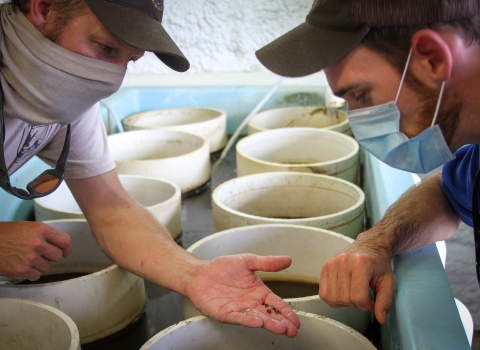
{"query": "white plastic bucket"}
(206, 122)
(308, 247)
(290, 198)
(27, 325)
(304, 117)
(203, 333)
(301, 150)
(175, 156)
(160, 197)
(100, 303)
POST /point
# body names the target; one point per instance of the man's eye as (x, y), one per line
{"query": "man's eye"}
(360, 98)
(106, 48)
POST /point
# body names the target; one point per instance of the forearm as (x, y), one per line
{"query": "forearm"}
(130, 235)
(136, 241)
(423, 215)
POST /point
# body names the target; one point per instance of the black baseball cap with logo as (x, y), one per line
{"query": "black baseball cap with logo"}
(139, 24)
(334, 27)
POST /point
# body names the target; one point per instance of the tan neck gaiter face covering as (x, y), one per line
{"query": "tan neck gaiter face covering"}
(44, 83)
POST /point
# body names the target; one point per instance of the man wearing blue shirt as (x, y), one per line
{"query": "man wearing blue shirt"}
(409, 71)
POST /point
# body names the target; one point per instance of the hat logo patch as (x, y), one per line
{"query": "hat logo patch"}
(158, 4)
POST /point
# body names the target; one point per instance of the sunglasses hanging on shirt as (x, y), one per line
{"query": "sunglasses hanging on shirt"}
(42, 185)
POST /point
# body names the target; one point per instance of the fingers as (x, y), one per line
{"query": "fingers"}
(274, 322)
(60, 240)
(360, 284)
(384, 298)
(39, 266)
(50, 246)
(266, 316)
(28, 248)
(283, 309)
(346, 282)
(247, 319)
(31, 275)
(268, 263)
(346, 279)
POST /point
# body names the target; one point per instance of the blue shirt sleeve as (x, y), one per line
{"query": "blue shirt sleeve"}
(458, 177)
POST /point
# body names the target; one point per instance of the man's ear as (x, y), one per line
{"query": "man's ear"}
(39, 13)
(431, 56)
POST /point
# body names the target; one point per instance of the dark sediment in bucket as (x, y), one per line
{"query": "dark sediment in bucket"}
(53, 278)
(292, 289)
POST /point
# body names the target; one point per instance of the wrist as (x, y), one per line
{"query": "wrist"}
(191, 269)
(379, 238)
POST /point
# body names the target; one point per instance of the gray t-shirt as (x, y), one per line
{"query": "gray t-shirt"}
(88, 156)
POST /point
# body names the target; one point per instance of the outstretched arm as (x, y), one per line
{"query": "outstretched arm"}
(420, 217)
(222, 288)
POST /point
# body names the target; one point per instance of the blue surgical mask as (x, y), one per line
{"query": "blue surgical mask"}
(377, 129)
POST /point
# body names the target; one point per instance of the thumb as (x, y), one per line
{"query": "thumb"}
(268, 263)
(384, 297)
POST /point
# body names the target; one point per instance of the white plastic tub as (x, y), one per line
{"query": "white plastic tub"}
(175, 156)
(305, 117)
(100, 303)
(27, 325)
(290, 198)
(308, 247)
(206, 122)
(203, 333)
(301, 150)
(160, 197)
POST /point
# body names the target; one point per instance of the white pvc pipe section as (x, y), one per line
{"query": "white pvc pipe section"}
(112, 113)
(237, 132)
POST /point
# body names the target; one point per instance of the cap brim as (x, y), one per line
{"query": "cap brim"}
(141, 31)
(307, 49)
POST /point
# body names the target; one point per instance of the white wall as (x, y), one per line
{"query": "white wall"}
(219, 38)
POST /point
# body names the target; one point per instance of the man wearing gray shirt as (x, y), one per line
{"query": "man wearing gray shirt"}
(59, 58)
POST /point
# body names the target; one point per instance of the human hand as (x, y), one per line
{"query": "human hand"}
(27, 248)
(346, 278)
(227, 286)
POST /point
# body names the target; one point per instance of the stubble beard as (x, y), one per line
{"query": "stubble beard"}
(448, 114)
(54, 31)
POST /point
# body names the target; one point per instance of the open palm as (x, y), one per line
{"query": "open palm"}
(227, 286)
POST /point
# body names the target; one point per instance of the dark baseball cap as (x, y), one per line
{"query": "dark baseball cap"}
(334, 27)
(139, 24)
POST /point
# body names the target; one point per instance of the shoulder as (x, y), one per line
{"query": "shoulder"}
(465, 164)
(458, 177)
